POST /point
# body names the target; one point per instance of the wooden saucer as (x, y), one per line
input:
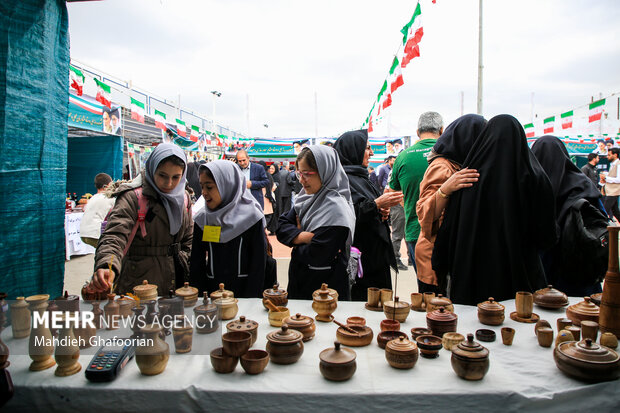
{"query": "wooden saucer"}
(373, 308)
(418, 309)
(533, 318)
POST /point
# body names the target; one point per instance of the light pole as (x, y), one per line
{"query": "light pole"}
(215, 94)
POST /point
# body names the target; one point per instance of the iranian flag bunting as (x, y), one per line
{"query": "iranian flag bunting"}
(382, 91)
(529, 130)
(396, 76)
(388, 101)
(596, 110)
(160, 120)
(103, 93)
(137, 110)
(181, 129)
(370, 125)
(194, 133)
(412, 34)
(77, 79)
(567, 119)
(548, 124)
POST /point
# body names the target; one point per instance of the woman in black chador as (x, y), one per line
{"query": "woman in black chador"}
(492, 232)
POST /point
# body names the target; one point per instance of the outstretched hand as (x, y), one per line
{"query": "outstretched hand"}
(389, 199)
(464, 178)
(102, 280)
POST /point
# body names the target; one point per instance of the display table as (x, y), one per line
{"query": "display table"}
(521, 376)
(73, 242)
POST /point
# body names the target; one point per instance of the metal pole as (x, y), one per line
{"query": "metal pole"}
(213, 113)
(316, 116)
(479, 107)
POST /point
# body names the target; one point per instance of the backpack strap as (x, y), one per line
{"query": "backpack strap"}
(143, 207)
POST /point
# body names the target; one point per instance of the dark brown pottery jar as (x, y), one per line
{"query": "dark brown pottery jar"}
(337, 364)
(284, 345)
(441, 321)
(470, 360)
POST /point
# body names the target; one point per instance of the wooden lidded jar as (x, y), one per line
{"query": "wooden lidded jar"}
(285, 345)
(304, 324)
(491, 312)
(189, 294)
(441, 321)
(220, 293)
(227, 306)
(332, 292)
(470, 360)
(146, 291)
(242, 324)
(337, 364)
(401, 353)
(397, 310)
(550, 298)
(439, 301)
(586, 360)
(277, 295)
(324, 304)
(206, 316)
(584, 310)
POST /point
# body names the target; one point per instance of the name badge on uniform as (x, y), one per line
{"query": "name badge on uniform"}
(211, 233)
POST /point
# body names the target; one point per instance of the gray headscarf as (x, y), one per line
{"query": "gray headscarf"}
(238, 211)
(174, 202)
(331, 204)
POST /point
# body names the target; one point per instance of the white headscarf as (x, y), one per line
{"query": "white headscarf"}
(238, 211)
(331, 204)
(174, 201)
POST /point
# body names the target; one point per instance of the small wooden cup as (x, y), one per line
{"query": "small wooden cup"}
(386, 295)
(575, 331)
(545, 336)
(416, 300)
(374, 297)
(524, 303)
(589, 329)
(427, 298)
(563, 322)
(508, 334)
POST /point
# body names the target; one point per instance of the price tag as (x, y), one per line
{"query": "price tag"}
(211, 233)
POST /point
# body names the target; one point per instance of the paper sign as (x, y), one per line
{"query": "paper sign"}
(211, 233)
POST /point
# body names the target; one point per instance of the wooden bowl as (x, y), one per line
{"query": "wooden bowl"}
(386, 336)
(222, 362)
(277, 318)
(484, 334)
(360, 321)
(236, 343)
(451, 340)
(255, 361)
(363, 338)
(419, 331)
(389, 325)
(429, 345)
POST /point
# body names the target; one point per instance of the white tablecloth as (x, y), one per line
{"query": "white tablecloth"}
(73, 242)
(522, 376)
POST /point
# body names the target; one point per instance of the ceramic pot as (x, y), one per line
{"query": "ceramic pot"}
(524, 303)
(285, 345)
(226, 307)
(278, 296)
(324, 304)
(146, 291)
(182, 335)
(401, 353)
(362, 338)
(374, 297)
(587, 361)
(40, 346)
(609, 319)
(389, 325)
(429, 345)
(451, 340)
(385, 337)
(491, 312)
(222, 362)
(220, 293)
(67, 354)
(111, 313)
(20, 318)
(470, 360)
(254, 361)
(337, 364)
(589, 329)
(188, 293)
(609, 340)
(508, 335)
(439, 301)
(545, 336)
(441, 321)
(420, 331)
(359, 321)
(396, 310)
(243, 324)
(563, 335)
(206, 317)
(236, 343)
(550, 298)
(152, 357)
(584, 310)
(276, 318)
(304, 324)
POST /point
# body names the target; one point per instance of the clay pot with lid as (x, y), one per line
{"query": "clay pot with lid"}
(324, 304)
(304, 324)
(470, 360)
(586, 360)
(278, 296)
(188, 293)
(439, 301)
(284, 345)
(550, 298)
(584, 310)
(337, 364)
(220, 293)
(206, 316)
(491, 312)
(396, 310)
(243, 324)
(401, 353)
(441, 321)
(146, 291)
(226, 306)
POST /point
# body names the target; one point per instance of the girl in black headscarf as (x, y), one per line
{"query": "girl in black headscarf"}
(372, 233)
(569, 186)
(492, 232)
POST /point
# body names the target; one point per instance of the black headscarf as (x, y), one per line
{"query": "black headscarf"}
(458, 138)
(492, 232)
(568, 182)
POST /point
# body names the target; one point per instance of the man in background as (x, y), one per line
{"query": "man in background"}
(590, 170)
(95, 211)
(255, 176)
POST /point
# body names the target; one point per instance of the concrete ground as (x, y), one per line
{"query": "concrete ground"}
(79, 270)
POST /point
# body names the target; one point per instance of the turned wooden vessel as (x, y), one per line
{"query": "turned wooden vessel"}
(254, 361)
(20, 318)
(386, 336)
(608, 340)
(243, 324)
(227, 306)
(206, 320)
(67, 354)
(550, 298)
(285, 345)
(222, 362)
(451, 340)
(40, 347)
(429, 345)
(337, 364)
(182, 335)
(491, 312)
(332, 293)
(152, 357)
(125, 306)
(324, 304)
(188, 293)
(68, 302)
(401, 353)
(609, 318)
(362, 337)
(586, 360)
(111, 311)
(439, 301)
(146, 291)
(397, 310)
(304, 324)
(220, 293)
(441, 321)
(584, 310)
(470, 360)
(278, 296)
(236, 343)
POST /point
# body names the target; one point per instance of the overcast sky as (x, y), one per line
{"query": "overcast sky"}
(280, 52)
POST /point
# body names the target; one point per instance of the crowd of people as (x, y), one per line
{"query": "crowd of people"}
(481, 213)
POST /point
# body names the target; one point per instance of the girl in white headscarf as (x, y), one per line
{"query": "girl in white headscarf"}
(229, 243)
(320, 226)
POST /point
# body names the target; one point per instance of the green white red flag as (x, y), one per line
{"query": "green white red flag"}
(103, 93)
(549, 124)
(160, 120)
(529, 130)
(596, 110)
(194, 133)
(137, 110)
(76, 78)
(412, 34)
(181, 128)
(396, 75)
(567, 119)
